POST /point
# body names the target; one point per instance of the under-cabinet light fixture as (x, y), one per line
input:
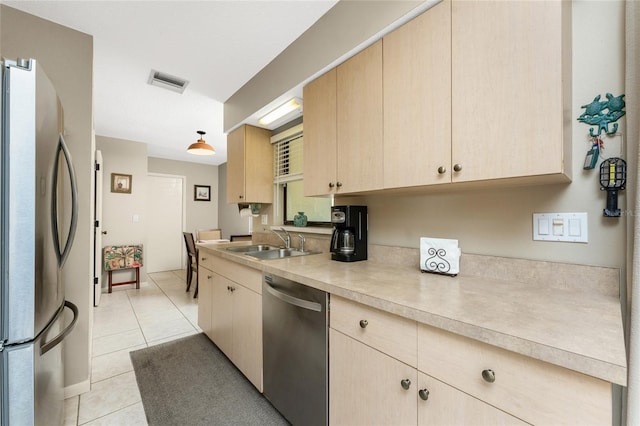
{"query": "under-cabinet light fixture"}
(291, 106)
(200, 147)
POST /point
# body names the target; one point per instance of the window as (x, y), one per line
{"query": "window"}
(288, 177)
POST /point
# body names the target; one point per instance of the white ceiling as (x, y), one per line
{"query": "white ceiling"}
(217, 45)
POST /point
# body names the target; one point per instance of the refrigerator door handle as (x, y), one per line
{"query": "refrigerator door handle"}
(53, 342)
(63, 254)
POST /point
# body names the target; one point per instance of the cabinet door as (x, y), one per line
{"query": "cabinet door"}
(417, 100)
(446, 405)
(221, 314)
(205, 300)
(507, 88)
(365, 385)
(320, 135)
(247, 334)
(235, 166)
(258, 166)
(359, 124)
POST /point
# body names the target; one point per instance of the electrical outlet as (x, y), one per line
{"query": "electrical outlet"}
(569, 227)
(265, 219)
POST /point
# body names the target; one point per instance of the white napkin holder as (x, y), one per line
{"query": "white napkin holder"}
(439, 256)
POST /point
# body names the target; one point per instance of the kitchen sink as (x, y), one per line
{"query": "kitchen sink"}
(255, 247)
(277, 253)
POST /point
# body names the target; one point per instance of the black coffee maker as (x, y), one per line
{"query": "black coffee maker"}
(349, 239)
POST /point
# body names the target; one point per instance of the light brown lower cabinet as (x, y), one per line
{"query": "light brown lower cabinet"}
(367, 387)
(446, 405)
(455, 381)
(230, 314)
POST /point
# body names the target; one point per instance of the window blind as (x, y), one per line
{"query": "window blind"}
(287, 154)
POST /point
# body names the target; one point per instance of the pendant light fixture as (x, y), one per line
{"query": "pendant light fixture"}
(200, 147)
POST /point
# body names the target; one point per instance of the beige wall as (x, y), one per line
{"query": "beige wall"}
(67, 58)
(200, 214)
(124, 157)
(337, 32)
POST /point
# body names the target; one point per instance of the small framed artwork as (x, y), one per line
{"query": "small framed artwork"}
(201, 193)
(121, 183)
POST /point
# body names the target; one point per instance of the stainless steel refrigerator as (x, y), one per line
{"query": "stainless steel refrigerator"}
(38, 221)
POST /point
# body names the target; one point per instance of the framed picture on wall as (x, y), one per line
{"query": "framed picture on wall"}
(201, 193)
(121, 183)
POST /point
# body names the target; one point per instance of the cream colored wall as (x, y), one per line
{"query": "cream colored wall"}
(333, 35)
(67, 58)
(200, 214)
(124, 157)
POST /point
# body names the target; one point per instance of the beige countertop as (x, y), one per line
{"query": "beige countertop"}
(577, 328)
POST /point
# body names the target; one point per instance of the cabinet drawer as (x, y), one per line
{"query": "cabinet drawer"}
(244, 275)
(390, 334)
(532, 390)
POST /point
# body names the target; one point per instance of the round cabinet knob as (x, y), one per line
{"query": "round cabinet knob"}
(489, 376)
(338, 184)
(442, 170)
(104, 232)
(405, 383)
(209, 277)
(203, 258)
(240, 196)
(228, 288)
(331, 185)
(424, 394)
(457, 167)
(364, 323)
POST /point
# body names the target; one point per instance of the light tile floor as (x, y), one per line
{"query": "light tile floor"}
(128, 320)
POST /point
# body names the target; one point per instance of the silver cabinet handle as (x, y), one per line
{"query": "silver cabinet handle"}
(424, 394)
(405, 383)
(489, 375)
(442, 170)
(457, 168)
(364, 323)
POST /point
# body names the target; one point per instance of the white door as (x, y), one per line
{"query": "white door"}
(165, 243)
(97, 231)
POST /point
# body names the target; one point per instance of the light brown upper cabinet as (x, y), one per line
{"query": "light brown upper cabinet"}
(343, 127)
(469, 91)
(320, 150)
(359, 123)
(417, 100)
(511, 90)
(249, 165)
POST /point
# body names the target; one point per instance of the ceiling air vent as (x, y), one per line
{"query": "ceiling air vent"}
(167, 81)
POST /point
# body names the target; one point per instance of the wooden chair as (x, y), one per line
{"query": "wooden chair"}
(208, 234)
(192, 254)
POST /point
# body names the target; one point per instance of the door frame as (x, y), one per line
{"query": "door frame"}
(183, 225)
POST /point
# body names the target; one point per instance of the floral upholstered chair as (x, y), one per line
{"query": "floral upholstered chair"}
(120, 258)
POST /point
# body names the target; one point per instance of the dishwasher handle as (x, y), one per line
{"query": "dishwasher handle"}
(301, 303)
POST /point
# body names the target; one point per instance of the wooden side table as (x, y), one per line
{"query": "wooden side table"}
(120, 258)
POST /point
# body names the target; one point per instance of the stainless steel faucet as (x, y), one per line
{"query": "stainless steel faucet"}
(287, 241)
(302, 240)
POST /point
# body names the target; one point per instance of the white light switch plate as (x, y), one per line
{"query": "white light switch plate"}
(571, 227)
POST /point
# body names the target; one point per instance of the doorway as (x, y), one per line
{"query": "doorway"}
(166, 205)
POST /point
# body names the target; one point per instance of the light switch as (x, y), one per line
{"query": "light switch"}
(543, 226)
(568, 227)
(558, 227)
(136, 218)
(574, 227)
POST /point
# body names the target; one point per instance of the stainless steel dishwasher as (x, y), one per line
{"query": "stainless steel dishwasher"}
(295, 350)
